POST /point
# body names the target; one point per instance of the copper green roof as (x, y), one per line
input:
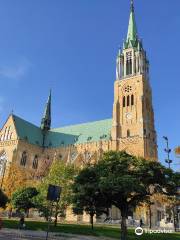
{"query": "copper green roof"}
(81, 133)
(75, 134)
(28, 131)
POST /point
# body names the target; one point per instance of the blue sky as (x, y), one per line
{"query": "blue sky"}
(71, 47)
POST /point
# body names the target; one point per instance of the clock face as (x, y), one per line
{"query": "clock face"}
(129, 116)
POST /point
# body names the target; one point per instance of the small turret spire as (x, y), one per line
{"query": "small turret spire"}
(46, 120)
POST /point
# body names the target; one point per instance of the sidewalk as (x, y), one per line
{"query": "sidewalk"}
(40, 235)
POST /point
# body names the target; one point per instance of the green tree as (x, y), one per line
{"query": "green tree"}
(125, 182)
(22, 199)
(3, 199)
(173, 194)
(60, 174)
(87, 196)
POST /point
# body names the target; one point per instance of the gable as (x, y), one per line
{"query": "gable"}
(8, 131)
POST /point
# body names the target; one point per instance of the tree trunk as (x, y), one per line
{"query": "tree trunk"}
(123, 225)
(150, 217)
(174, 219)
(55, 220)
(56, 214)
(92, 221)
(10, 213)
(27, 213)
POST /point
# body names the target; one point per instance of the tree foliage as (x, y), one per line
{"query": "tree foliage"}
(177, 151)
(17, 178)
(87, 196)
(173, 195)
(3, 199)
(23, 199)
(60, 174)
(125, 181)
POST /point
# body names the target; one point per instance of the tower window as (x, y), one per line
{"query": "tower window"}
(35, 162)
(128, 133)
(132, 100)
(144, 131)
(128, 101)
(23, 159)
(124, 101)
(128, 63)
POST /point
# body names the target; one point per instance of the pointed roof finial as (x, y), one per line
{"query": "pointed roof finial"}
(132, 29)
(46, 120)
(132, 5)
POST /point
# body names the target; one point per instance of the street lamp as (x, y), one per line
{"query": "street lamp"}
(167, 150)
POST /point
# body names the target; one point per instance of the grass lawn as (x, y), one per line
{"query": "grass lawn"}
(106, 231)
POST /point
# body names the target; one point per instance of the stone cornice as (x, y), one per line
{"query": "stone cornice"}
(8, 143)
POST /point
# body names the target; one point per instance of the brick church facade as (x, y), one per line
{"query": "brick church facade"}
(131, 127)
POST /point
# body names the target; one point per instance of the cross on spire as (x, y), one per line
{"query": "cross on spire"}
(132, 5)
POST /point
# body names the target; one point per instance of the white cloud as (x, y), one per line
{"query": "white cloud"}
(16, 71)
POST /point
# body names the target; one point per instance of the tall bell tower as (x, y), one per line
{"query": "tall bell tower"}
(133, 116)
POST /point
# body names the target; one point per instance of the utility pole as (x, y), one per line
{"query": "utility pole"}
(168, 151)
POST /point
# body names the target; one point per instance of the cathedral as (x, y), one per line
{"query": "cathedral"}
(131, 127)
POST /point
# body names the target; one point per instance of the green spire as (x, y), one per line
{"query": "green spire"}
(132, 29)
(46, 120)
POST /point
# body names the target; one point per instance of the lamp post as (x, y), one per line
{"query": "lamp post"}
(167, 150)
(53, 195)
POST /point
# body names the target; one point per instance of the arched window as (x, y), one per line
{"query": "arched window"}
(8, 132)
(5, 134)
(124, 101)
(128, 101)
(11, 136)
(128, 63)
(35, 162)
(3, 161)
(144, 131)
(132, 100)
(128, 133)
(23, 159)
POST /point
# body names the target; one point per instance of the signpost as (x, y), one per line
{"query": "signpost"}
(53, 195)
